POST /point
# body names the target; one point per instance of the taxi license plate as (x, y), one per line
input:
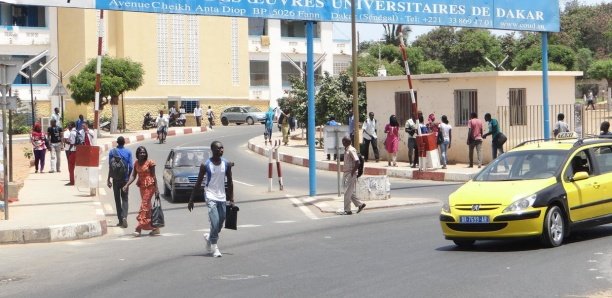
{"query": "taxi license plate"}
(473, 219)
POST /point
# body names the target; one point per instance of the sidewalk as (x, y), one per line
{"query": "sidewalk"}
(48, 211)
(297, 151)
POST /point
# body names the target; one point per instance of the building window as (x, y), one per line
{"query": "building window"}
(403, 106)
(518, 106)
(466, 102)
(23, 16)
(189, 105)
(259, 73)
(288, 70)
(258, 27)
(340, 67)
(297, 29)
(178, 50)
(235, 52)
(41, 79)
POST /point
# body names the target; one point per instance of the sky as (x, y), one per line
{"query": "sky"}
(373, 32)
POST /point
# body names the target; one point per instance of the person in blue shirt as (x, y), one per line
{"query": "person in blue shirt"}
(117, 184)
(269, 123)
(79, 123)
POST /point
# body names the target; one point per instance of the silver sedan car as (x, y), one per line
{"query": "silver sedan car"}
(242, 114)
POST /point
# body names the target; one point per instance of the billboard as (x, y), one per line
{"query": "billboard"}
(522, 15)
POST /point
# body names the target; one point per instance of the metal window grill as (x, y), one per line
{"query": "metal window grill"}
(466, 102)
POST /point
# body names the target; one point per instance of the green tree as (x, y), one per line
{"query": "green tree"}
(118, 76)
(556, 53)
(436, 44)
(472, 46)
(331, 101)
(584, 58)
(602, 70)
(586, 26)
(432, 66)
(552, 66)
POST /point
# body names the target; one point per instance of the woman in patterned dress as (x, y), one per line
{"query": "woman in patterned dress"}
(392, 141)
(144, 168)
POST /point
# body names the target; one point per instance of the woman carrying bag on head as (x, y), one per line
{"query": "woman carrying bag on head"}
(144, 169)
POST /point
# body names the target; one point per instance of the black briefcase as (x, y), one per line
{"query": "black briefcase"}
(231, 217)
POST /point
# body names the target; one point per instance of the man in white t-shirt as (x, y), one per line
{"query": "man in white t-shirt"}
(218, 171)
(197, 113)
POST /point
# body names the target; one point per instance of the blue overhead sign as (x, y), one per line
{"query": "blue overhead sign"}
(523, 15)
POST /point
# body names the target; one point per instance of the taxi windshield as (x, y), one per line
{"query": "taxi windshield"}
(523, 165)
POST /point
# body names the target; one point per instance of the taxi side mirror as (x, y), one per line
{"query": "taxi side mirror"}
(580, 176)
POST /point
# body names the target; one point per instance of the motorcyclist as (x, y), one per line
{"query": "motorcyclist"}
(148, 121)
(162, 126)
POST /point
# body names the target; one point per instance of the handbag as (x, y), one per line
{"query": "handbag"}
(501, 139)
(231, 217)
(157, 214)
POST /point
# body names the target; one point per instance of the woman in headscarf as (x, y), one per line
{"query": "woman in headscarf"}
(392, 141)
(37, 138)
(268, 125)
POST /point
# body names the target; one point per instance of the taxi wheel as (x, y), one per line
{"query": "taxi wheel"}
(464, 242)
(554, 227)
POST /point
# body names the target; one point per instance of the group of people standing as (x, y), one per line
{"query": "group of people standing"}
(441, 130)
(210, 115)
(57, 139)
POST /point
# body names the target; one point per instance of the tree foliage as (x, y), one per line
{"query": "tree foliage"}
(432, 66)
(118, 76)
(602, 70)
(556, 53)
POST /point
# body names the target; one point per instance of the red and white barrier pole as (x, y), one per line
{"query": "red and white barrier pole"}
(270, 167)
(278, 167)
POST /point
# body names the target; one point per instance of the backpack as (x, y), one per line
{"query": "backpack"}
(118, 168)
(78, 140)
(361, 164)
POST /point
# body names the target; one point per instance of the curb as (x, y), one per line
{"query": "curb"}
(391, 172)
(321, 204)
(88, 229)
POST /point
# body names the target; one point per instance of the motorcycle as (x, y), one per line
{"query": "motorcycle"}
(175, 120)
(148, 122)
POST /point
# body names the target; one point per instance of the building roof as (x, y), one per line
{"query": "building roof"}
(438, 76)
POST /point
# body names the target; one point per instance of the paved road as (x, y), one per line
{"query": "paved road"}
(284, 250)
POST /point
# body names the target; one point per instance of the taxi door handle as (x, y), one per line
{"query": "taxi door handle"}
(596, 185)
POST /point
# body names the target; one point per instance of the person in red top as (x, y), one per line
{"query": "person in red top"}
(37, 138)
(144, 169)
(475, 139)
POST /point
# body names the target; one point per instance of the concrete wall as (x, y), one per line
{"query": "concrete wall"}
(435, 94)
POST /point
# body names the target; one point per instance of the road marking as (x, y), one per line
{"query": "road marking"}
(202, 230)
(99, 212)
(77, 243)
(243, 183)
(248, 226)
(102, 191)
(108, 207)
(302, 207)
(284, 221)
(171, 234)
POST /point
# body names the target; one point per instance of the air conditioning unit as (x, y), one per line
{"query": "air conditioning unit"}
(265, 40)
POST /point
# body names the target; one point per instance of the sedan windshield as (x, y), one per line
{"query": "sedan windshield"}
(523, 165)
(252, 109)
(190, 158)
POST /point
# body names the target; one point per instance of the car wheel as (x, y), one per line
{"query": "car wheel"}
(250, 121)
(224, 121)
(554, 227)
(463, 243)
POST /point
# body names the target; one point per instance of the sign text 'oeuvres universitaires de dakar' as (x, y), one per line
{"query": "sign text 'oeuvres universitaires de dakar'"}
(524, 15)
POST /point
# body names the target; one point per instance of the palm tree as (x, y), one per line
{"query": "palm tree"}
(392, 33)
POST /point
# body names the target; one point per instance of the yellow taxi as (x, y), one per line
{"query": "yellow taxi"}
(541, 188)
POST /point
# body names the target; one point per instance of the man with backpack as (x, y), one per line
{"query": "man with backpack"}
(54, 135)
(120, 166)
(351, 169)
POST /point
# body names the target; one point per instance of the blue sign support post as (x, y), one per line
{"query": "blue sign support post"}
(545, 85)
(312, 160)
